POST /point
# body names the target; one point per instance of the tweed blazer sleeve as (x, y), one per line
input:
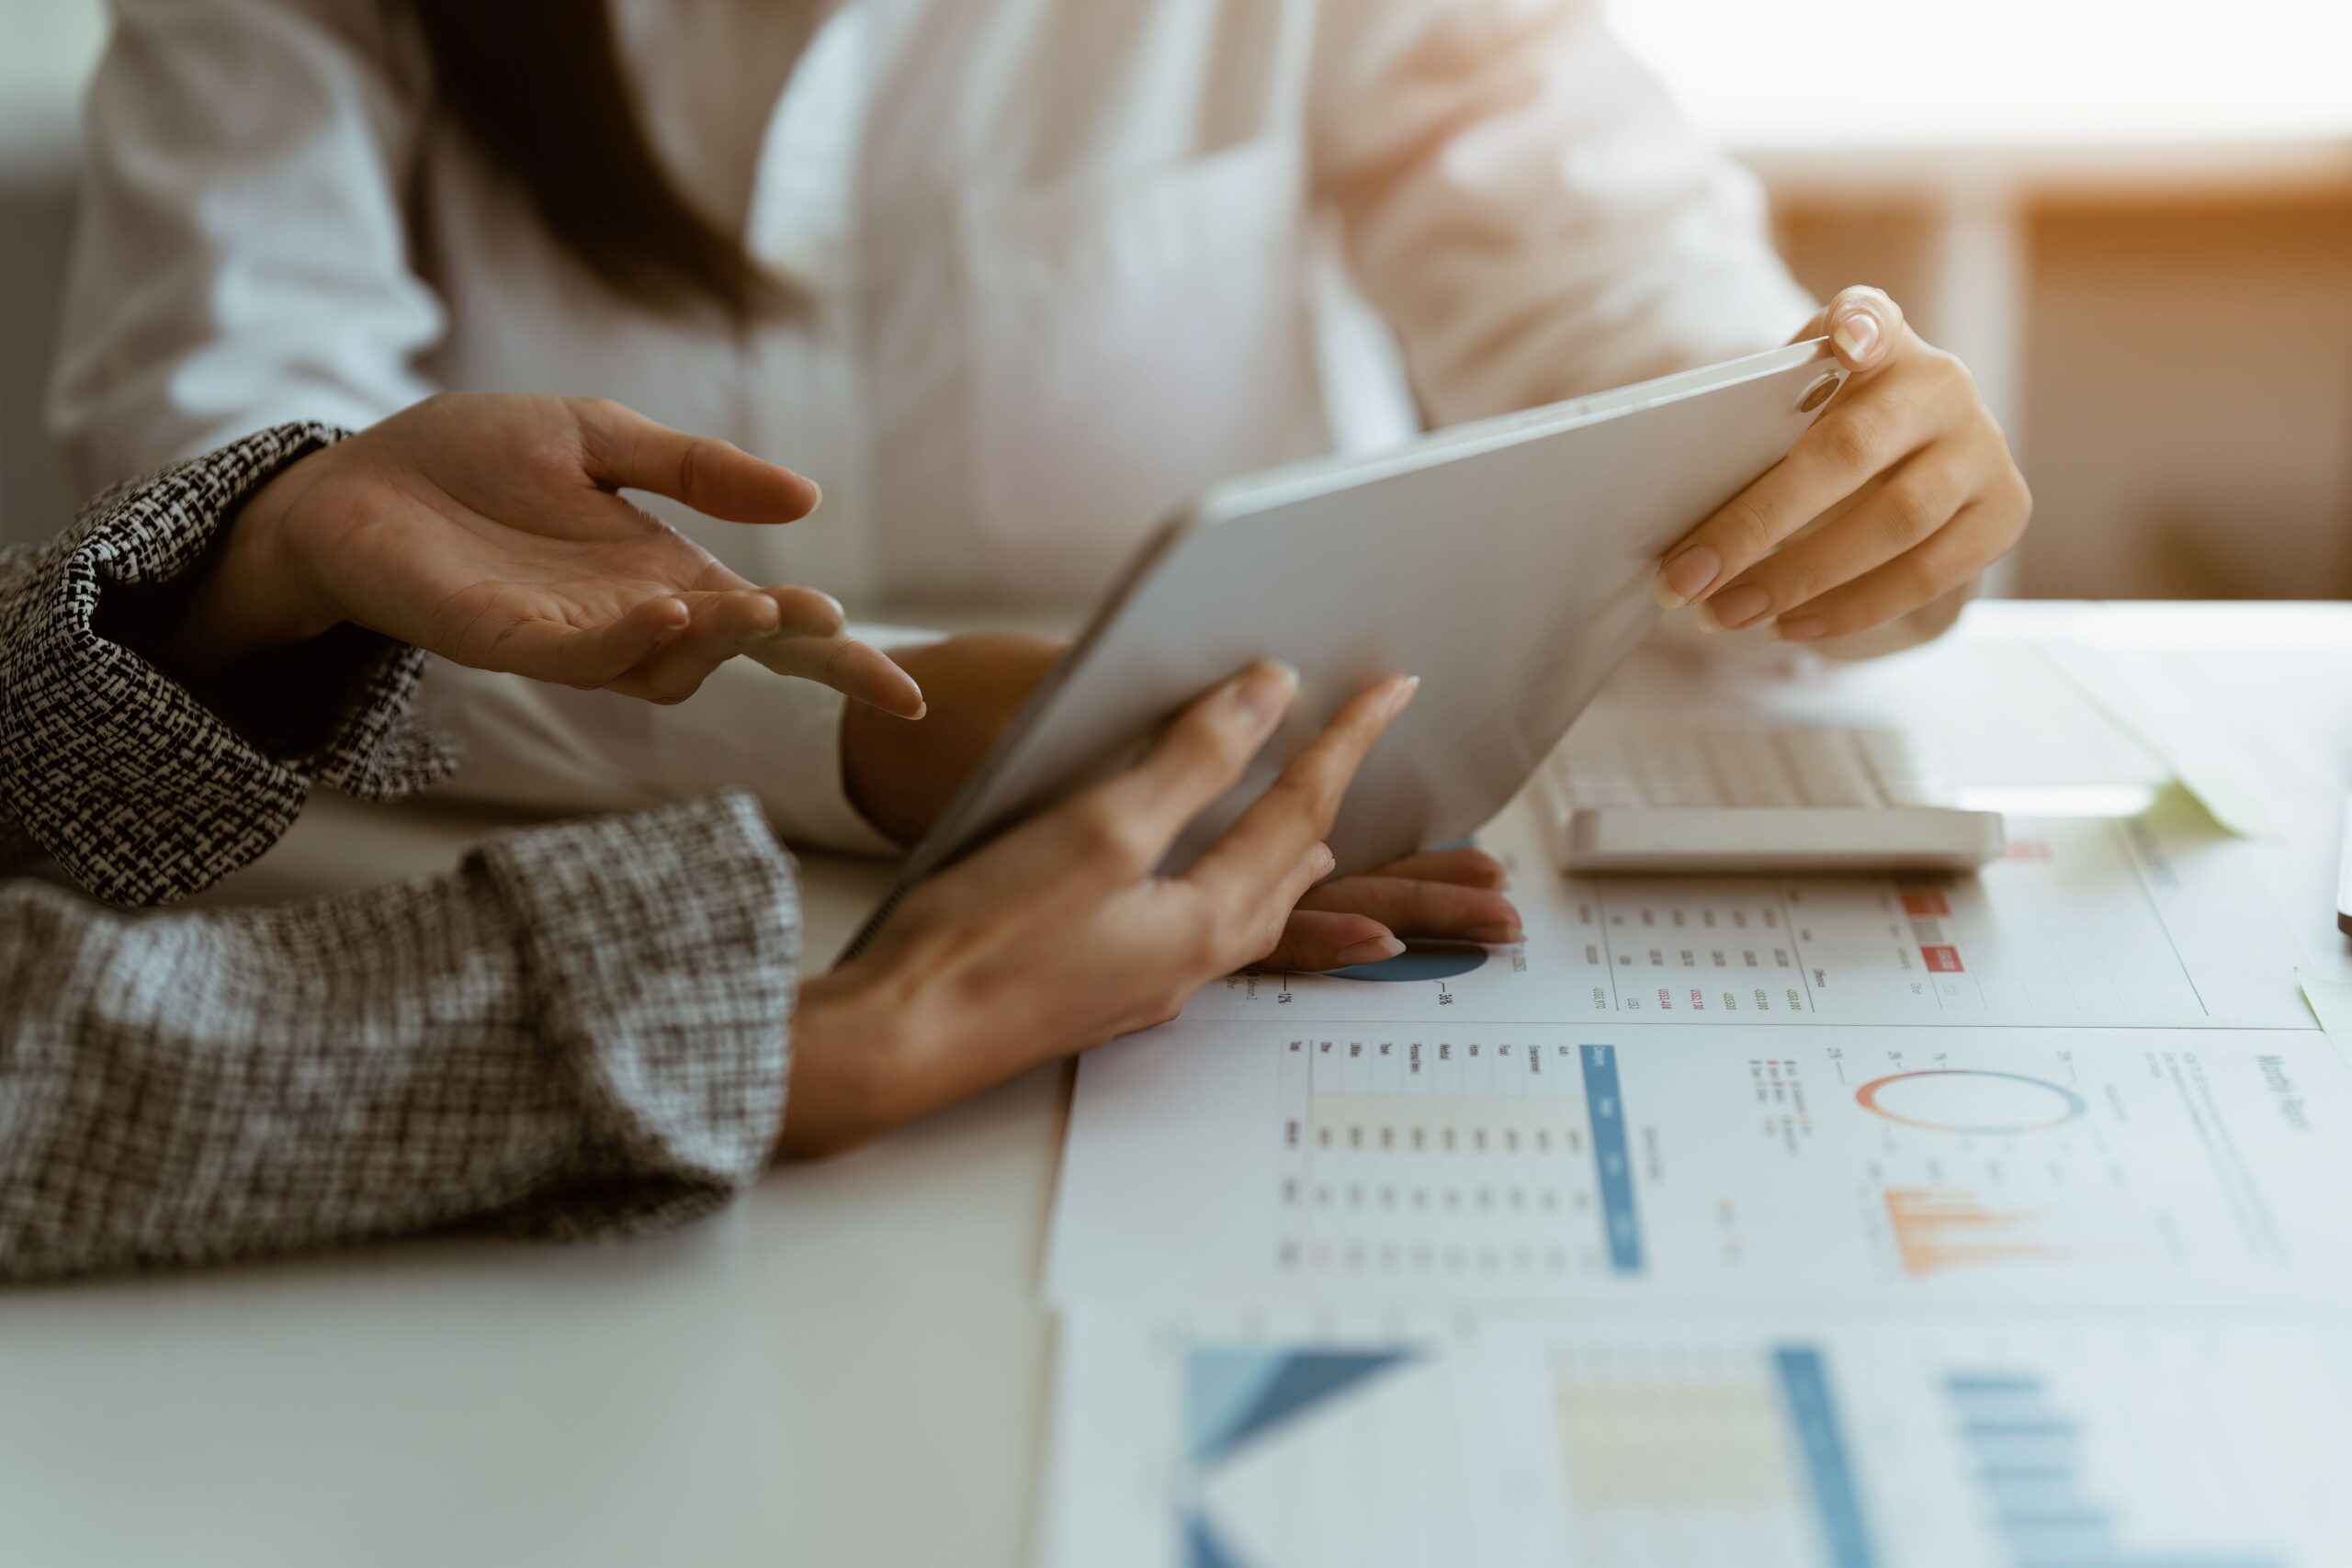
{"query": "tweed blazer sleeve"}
(582, 1031)
(143, 791)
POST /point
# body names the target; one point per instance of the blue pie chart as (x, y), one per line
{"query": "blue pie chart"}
(1421, 961)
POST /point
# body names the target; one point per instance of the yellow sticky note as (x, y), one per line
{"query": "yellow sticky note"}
(2226, 782)
(2331, 1001)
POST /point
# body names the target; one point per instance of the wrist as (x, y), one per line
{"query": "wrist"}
(258, 590)
(845, 1078)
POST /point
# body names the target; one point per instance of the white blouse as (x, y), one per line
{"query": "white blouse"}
(1065, 261)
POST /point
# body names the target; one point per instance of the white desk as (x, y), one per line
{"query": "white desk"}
(848, 1366)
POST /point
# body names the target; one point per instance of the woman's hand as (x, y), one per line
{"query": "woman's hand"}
(1901, 494)
(490, 530)
(901, 777)
(1060, 936)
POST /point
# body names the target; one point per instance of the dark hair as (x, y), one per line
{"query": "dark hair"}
(538, 87)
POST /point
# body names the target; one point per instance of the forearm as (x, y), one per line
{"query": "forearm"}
(583, 1031)
(251, 594)
(1523, 202)
(140, 787)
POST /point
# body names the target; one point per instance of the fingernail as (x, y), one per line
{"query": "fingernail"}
(1734, 607)
(1685, 577)
(1402, 695)
(1265, 693)
(1375, 952)
(1324, 861)
(1855, 335)
(1498, 936)
(1799, 628)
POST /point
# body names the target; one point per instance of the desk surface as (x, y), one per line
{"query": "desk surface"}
(849, 1365)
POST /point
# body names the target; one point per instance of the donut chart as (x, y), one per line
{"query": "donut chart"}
(1420, 961)
(1971, 1100)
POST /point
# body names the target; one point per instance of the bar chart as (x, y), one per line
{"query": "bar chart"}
(1514, 1163)
(1261, 1441)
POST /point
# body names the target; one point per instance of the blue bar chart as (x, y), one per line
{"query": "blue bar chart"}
(2030, 1470)
(1607, 1441)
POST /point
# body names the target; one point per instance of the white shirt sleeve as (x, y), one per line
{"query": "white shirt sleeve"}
(243, 256)
(1522, 201)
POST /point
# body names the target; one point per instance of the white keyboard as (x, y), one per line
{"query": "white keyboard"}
(1761, 797)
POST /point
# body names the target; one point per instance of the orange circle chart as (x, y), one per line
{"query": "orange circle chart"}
(1971, 1100)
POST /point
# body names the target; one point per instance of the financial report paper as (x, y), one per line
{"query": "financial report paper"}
(1275, 1442)
(2087, 920)
(1473, 1165)
(1862, 1221)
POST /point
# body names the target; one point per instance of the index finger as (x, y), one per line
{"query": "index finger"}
(1259, 851)
(1125, 826)
(856, 670)
(809, 644)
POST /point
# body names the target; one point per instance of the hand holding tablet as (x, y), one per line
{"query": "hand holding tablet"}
(1508, 563)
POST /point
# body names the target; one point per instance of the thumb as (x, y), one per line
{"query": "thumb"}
(622, 449)
(1863, 325)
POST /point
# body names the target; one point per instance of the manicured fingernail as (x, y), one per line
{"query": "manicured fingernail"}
(1373, 952)
(1685, 577)
(1402, 695)
(1799, 628)
(1498, 936)
(1734, 607)
(1855, 335)
(1265, 693)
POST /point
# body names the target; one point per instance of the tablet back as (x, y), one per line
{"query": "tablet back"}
(1506, 563)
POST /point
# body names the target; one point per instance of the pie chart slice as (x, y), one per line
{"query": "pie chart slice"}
(1420, 961)
(1971, 1100)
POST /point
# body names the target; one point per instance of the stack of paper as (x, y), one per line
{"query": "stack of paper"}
(1855, 1222)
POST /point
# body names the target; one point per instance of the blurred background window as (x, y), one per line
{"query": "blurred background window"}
(2132, 217)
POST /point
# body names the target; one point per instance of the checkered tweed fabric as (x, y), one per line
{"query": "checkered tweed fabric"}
(583, 1031)
(107, 764)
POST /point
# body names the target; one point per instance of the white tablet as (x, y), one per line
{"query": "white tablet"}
(1506, 563)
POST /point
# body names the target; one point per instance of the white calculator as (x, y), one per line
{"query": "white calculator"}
(1624, 796)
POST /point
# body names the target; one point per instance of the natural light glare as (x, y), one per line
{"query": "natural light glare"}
(1765, 73)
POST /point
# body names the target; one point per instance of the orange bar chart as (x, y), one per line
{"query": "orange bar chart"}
(1935, 1231)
